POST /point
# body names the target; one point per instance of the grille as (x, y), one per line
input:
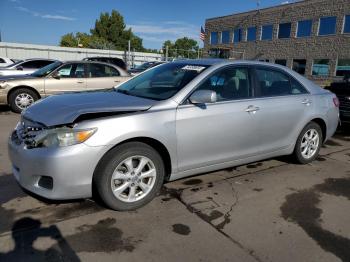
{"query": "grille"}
(26, 132)
(344, 103)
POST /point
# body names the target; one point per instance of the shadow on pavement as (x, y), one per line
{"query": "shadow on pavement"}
(26, 231)
(4, 110)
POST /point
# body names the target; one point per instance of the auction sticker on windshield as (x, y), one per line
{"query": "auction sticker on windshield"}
(193, 68)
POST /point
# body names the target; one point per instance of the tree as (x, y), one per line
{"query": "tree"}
(109, 33)
(183, 47)
(112, 28)
(68, 40)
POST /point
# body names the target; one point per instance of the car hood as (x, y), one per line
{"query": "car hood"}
(16, 77)
(66, 108)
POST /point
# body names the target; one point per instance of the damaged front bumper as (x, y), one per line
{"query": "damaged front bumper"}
(54, 172)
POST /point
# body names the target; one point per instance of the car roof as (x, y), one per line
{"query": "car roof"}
(87, 62)
(34, 59)
(105, 57)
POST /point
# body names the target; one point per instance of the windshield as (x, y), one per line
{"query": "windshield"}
(161, 82)
(46, 69)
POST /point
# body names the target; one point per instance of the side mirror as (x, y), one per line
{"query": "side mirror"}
(203, 97)
(19, 68)
(56, 75)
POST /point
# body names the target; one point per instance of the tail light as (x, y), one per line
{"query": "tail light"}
(336, 101)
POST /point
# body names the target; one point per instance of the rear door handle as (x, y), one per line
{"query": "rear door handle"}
(116, 81)
(252, 109)
(80, 82)
(306, 102)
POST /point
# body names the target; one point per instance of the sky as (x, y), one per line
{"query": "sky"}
(45, 21)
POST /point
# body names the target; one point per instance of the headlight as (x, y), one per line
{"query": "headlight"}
(64, 137)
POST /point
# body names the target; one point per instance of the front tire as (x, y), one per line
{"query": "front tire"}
(21, 98)
(308, 144)
(129, 176)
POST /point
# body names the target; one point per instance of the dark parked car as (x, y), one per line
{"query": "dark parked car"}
(342, 90)
(110, 60)
(144, 66)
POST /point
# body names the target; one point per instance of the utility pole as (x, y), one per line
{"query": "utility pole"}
(166, 53)
(129, 48)
(258, 4)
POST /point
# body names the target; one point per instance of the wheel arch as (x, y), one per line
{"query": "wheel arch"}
(323, 127)
(19, 87)
(155, 144)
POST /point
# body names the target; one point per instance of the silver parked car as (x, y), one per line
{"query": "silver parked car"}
(172, 121)
(25, 67)
(19, 92)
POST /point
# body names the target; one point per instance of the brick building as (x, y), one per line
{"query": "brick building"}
(310, 36)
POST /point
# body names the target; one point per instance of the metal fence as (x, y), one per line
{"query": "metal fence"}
(25, 51)
(173, 54)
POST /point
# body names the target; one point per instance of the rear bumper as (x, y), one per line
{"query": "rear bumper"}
(70, 168)
(332, 122)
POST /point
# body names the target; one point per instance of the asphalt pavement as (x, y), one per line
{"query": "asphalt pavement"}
(272, 210)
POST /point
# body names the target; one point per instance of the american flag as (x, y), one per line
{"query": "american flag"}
(202, 34)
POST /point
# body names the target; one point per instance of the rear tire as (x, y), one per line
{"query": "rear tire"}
(21, 98)
(308, 144)
(129, 176)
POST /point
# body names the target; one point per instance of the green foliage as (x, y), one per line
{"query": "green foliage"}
(109, 33)
(183, 47)
(68, 40)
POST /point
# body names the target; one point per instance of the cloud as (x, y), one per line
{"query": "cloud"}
(15, 1)
(44, 16)
(59, 17)
(167, 30)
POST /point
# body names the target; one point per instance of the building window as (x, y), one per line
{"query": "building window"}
(238, 35)
(251, 34)
(299, 66)
(214, 37)
(320, 67)
(284, 30)
(304, 28)
(282, 62)
(327, 25)
(346, 24)
(343, 67)
(266, 32)
(225, 37)
(264, 60)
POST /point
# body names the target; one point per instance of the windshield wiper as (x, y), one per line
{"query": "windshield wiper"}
(125, 92)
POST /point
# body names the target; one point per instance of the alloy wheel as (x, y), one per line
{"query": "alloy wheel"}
(310, 143)
(133, 179)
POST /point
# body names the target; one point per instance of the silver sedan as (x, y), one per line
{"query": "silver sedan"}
(175, 120)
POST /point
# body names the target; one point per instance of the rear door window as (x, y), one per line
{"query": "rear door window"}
(276, 83)
(100, 70)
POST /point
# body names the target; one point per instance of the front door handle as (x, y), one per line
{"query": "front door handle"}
(80, 82)
(252, 109)
(116, 81)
